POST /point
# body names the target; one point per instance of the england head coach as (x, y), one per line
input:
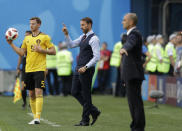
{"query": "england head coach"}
(89, 54)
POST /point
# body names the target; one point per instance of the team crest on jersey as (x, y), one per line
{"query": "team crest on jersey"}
(38, 41)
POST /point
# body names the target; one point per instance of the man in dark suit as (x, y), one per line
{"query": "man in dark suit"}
(132, 71)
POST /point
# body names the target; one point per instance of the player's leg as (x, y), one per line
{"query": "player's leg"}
(39, 102)
(24, 94)
(30, 85)
(33, 102)
(39, 87)
(23, 89)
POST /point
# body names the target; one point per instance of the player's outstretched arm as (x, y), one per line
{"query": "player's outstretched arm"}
(51, 51)
(18, 50)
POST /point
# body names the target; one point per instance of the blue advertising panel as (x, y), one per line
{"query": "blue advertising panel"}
(145, 86)
(106, 15)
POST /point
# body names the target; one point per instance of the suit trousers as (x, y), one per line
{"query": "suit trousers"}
(133, 89)
(81, 90)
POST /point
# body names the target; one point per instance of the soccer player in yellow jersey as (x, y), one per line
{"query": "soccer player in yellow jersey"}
(36, 45)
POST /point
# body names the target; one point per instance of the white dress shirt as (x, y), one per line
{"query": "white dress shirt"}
(128, 32)
(94, 43)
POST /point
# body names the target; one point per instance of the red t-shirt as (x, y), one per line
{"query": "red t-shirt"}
(104, 65)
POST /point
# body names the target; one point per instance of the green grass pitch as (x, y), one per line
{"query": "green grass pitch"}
(61, 113)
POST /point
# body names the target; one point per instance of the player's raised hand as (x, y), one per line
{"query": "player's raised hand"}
(64, 29)
(9, 41)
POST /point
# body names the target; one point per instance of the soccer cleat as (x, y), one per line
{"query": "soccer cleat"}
(34, 121)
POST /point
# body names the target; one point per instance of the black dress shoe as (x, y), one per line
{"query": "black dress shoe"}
(95, 115)
(82, 123)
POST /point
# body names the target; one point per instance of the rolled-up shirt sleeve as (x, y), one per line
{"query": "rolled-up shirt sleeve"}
(95, 45)
(74, 43)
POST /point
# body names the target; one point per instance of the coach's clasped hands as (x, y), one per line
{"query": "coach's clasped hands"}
(82, 69)
(123, 51)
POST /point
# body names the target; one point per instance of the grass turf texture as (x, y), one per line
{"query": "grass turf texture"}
(66, 111)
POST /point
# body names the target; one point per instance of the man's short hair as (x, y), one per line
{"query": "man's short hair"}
(87, 20)
(38, 20)
(105, 43)
(28, 31)
(133, 17)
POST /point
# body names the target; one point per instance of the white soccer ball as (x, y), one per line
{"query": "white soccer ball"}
(11, 34)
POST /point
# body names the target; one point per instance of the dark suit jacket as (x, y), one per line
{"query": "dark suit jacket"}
(132, 64)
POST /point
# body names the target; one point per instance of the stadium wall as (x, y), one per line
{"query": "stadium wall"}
(106, 14)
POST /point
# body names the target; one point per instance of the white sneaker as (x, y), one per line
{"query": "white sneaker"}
(34, 121)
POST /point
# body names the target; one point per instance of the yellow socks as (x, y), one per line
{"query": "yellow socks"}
(39, 105)
(33, 106)
(36, 106)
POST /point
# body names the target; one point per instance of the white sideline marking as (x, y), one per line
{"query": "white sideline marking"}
(45, 121)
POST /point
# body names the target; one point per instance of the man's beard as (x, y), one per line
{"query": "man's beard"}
(85, 31)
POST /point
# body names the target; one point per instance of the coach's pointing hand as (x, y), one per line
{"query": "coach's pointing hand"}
(65, 30)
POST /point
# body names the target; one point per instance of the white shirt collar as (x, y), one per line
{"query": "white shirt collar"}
(128, 32)
(88, 33)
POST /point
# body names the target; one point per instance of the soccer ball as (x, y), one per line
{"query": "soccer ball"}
(11, 34)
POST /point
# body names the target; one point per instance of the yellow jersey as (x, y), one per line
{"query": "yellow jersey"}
(36, 61)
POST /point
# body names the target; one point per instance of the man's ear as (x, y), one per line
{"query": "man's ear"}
(90, 26)
(39, 25)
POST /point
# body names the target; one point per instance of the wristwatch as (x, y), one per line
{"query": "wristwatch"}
(86, 67)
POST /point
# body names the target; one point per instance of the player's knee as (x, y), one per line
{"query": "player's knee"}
(32, 95)
(38, 92)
